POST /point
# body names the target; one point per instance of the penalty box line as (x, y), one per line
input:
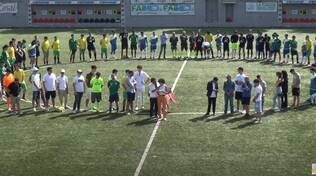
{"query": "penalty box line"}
(153, 135)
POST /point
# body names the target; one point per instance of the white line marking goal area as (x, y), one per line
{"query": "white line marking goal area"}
(151, 139)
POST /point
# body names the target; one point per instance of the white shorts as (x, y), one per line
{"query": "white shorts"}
(88, 93)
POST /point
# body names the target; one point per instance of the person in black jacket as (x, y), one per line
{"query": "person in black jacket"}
(212, 89)
(285, 87)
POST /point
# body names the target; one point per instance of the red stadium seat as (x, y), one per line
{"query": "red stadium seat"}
(313, 20)
(34, 20)
(295, 20)
(42, 20)
(284, 20)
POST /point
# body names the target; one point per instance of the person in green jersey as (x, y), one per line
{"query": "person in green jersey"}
(5, 57)
(114, 86)
(293, 45)
(133, 38)
(276, 46)
(73, 46)
(97, 84)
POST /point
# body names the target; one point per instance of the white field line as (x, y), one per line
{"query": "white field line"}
(153, 134)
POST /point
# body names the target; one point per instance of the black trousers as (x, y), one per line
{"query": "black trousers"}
(284, 102)
(153, 107)
(211, 103)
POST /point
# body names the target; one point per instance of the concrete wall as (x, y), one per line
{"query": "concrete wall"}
(15, 20)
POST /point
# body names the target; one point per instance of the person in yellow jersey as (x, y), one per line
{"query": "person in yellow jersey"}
(45, 48)
(11, 51)
(97, 84)
(309, 45)
(209, 38)
(104, 42)
(56, 50)
(82, 47)
(19, 74)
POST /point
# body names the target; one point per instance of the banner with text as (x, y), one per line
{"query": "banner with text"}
(8, 8)
(162, 7)
(261, 7)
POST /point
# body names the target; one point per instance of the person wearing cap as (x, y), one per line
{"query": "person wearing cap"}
(286, 48)
(73, 45)
(49, 85)
(97, 84)
(79, 87)
(36, 88)
(62, 88)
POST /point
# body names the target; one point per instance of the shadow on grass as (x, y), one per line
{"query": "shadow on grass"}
(143, 122)
(113, 116)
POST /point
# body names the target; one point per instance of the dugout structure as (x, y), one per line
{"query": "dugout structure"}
(157, 13)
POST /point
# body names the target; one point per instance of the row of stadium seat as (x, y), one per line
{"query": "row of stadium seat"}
(53, 20)
(98, 20)
(299, 20)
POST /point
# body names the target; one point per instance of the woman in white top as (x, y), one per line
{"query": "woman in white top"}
(163, 90)
(62, 88)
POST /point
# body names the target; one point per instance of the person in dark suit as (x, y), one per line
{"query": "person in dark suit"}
(212, 89)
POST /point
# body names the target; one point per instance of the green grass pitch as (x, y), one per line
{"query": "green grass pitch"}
(98, 144)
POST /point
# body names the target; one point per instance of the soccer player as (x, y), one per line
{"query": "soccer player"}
(113, 42)
(97, 84)
(79, 89)
(14, 92)
(260, 46)
(234, 41)
(73, 45)
(286, 48)
(218, 41)
(296, 88)
(11, 52)
(143, 45)
(49, 85)
(114, 86)
(209, 38)
(276, 47)
(36, 88)
(133, 38)
(124, 43)
(141, 79)
(153, 45)
(56, 50)
(257, 99)
(250, 38)
(163, 45)
(225, 41)
(246, 95)
(206, 49)
(192, 41)
(104, 43)
(19, 74)
(152, 92)
(20, 54)
(267, 40)
(82, 47)
(184, 43)
(174, 42)
(45, 50)
(304, 53)
(62, 88)
(294, 52)
(198, 45)
(32, 54)
(309, 45)
(242, 43)
(88, 79)
(36, 43)
(239, 81)
(91, 46)
(130, 89)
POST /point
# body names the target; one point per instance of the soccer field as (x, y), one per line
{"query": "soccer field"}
(93, 144)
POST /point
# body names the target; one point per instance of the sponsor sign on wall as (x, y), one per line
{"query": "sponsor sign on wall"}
(8, 8)
(261, 7)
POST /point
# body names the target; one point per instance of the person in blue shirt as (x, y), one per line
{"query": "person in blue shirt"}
(143, 45)
(163, 40)
(153, 45)
(286, 48)
(246, 95)
(113, 42)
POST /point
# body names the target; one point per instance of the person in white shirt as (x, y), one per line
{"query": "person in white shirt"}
(36, 87)
(62, 88)
(49, 85)
(257, 99)
(239, 81)
(207, 49)
(163, 90)
(152, 92)
(79, 89)
(141, 78)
